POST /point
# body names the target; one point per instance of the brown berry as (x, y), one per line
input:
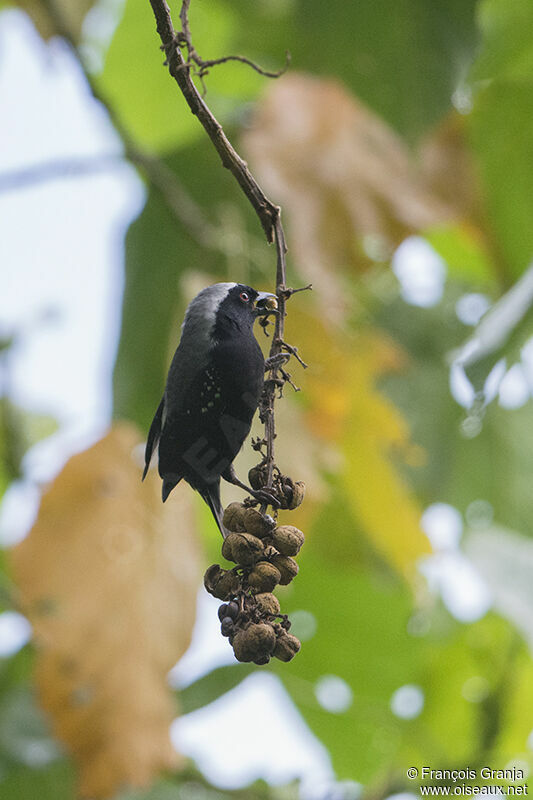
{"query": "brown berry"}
(242, 647)
(246, 549)
(286, 647)
(287, 539)
(227, 546)
(298, 494)
(254, 643)
(287, 566)
(233, 516)
(262, 638)
(287, 491)
(256, 523)
(221, 583)
(211, 577)
(268, 603)
(257, 477)
(264, 577)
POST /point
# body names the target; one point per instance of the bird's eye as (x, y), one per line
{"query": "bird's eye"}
(244, 297)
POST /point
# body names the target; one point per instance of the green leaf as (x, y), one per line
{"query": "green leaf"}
(466, 258)
(53, 782)
(361, 619)
(406, 70)
(368, 634)
(501, 134)
(212, 686)
(507, 42)
(501, 333)
(497, 464)
(139, 86)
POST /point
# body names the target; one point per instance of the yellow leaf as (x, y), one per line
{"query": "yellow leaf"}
(345, 406)
(108, 577)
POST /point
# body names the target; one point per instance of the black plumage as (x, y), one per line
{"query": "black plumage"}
(213, 389)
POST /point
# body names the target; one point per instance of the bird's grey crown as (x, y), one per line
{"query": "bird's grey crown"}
(201, 314)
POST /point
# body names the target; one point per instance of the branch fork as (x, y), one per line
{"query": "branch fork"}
(268, 213)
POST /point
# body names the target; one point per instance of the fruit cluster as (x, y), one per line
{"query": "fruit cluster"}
(263, 554)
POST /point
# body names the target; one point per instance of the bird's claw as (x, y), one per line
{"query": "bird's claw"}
(265, 497)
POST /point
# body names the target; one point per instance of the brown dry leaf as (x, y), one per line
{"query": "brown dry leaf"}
(345, 407)
(71, 12)
(108, 577)
(349, 185)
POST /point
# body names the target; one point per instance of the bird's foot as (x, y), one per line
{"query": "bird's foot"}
(263, 496)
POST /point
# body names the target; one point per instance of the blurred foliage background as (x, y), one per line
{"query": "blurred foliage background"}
(400, 146)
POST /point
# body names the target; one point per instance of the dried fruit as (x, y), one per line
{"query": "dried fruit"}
(232, 610)
(242, 647)
(233, 517)
(268, 603)
(247, 549)
(287, 540)
(227, 546)
(256, 643)
(227, 627)
(222, 611)
(264, 577)
(287, 566)
(286, 491)
(298, 494)
(212, 575)
(221, 583)
(286, 647)
(257, 523)
(258, 477)
(261, 638)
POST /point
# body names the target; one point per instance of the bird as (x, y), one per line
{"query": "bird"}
(212, 392)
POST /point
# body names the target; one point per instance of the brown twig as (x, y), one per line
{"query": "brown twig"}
(269, 214)
(213, 62)
(184, 37)
(180, 71)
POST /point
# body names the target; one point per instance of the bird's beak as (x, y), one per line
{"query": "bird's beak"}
(265, 303)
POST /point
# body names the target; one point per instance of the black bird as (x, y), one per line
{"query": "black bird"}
(213, 389)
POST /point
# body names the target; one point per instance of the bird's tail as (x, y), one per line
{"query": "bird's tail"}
(211, 495)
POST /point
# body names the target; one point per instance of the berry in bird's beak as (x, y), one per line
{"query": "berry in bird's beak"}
(265, 302)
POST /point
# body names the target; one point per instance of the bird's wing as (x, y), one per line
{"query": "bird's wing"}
(153, 436)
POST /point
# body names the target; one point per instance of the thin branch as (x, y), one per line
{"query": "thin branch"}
(270, 386)
(184, 37)
(180, 71)
(268, 213)
(213, 62)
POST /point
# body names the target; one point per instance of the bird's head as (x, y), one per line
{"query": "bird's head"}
(227, 306)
